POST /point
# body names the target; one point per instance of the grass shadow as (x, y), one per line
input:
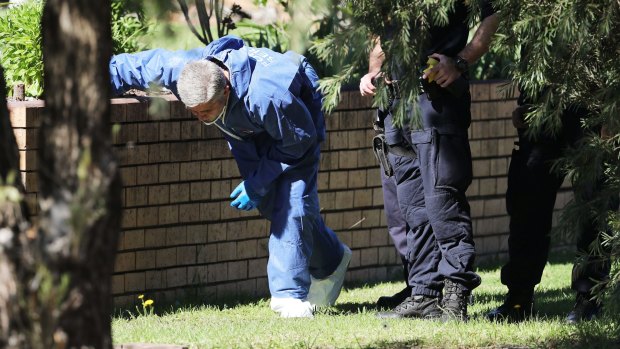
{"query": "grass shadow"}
(548, 303)
(165, 307)
(395, 344)
(588, 335)
(354, 308)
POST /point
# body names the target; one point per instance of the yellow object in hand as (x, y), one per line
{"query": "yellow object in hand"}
(431, 62)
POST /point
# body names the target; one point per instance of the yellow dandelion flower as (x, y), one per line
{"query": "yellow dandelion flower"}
(148, 302)
(141, 296)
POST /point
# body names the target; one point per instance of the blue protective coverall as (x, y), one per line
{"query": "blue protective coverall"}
(274, 126)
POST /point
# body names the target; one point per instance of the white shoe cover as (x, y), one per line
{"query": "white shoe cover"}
(292, 307)
(324, 292)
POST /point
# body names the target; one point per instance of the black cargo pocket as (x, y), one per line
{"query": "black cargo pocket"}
(422, 141)
(452, 161)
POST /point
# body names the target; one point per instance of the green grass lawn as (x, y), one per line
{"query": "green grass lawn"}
(352, 323)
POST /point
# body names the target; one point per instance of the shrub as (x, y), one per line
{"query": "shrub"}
(128, 26)
(20, 40)
(20, 46)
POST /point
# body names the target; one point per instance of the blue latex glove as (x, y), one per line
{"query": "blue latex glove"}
(244, 198)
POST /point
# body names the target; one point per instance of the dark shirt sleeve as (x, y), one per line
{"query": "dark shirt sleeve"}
(486, 9)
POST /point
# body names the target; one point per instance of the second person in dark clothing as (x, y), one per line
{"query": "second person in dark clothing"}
(431, 187)
(530, 200)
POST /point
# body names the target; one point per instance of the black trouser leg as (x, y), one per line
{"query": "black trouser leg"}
(397, 226)
(530, 200)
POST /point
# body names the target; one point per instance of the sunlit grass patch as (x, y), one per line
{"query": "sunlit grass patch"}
(352, 323)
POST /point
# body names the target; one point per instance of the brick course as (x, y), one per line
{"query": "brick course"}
(181, 237)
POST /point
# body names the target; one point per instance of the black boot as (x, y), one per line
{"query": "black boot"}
(455, 299)
(414, 307)
(585, 309)
(390, 302)
(518, 306)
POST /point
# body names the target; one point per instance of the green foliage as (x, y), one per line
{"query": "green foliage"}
(566, 54)
(20, 46)
(209, 10)
(344, 65)
(492, 65)
(403, 27)
(612, 241)
(20, 40)
(272, 36)
(128, 26)
(237, 21)
(344, 55)
(305, 17)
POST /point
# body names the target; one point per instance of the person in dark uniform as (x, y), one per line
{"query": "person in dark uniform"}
(396, 222)
(397, 228)
(530, 199)
(431, 187)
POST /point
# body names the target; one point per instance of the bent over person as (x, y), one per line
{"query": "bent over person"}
(431, 186)
(268, 108)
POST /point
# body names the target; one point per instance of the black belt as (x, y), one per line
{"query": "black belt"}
(381, 149)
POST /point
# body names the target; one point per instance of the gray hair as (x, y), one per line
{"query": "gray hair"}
(201, 82)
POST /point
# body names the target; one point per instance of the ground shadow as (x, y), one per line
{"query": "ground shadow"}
(554, 303)
(415, 344)
(587, 336)
(188, 302)
(549, 303)
(355, 308)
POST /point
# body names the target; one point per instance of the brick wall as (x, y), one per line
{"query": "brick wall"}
(492, 139)
(181, 238)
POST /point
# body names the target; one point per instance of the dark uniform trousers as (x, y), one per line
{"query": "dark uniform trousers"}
(397, 226)
(530, 199)
(431, 194)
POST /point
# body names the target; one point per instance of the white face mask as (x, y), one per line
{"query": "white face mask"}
(222, 114)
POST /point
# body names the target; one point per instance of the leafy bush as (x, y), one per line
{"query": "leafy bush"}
(20, 46)
(20, 40)
(128, 26)
(272, 36)
(490, 66)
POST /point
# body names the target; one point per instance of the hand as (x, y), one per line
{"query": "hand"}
(367, 88)
(444, 72)
(244, 198)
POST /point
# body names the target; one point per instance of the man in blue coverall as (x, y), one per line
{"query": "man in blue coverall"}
(268, 108)
(431, 186)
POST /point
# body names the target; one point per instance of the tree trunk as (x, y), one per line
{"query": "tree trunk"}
(79, 183)
(58, 278)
